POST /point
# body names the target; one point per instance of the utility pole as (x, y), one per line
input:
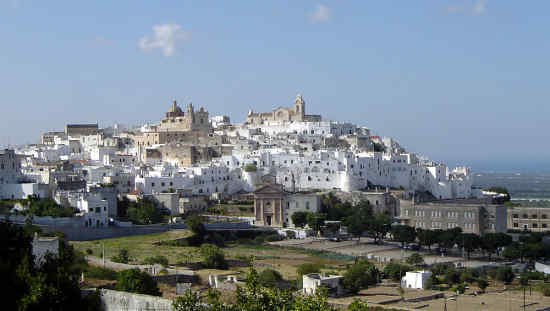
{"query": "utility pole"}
(523, 298)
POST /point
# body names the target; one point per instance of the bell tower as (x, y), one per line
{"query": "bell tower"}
(299, 107)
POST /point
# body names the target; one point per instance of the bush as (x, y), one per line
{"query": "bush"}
(459, 288)
(396, 271)
(270, 277)
(360, 275)
(546, 290)
(212, 257)
(135, 281)
(452, 277)
(482, 284)
(89, 251)
(161, 260)
(100, 273)
(505, 274)
(466, 276)
(415, 259)
(122, 257)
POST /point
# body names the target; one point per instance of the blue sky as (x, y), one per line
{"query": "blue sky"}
(463, 82)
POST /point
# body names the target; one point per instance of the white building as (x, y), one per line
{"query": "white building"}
(311, 282)
(416, 279)
(95, 212)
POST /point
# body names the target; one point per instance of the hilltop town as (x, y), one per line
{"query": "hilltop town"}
(334, 195)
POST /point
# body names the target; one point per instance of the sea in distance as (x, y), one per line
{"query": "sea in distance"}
(521, 186)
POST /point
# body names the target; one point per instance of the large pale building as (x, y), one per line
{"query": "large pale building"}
(536, 219)
(472, 217)
(297, 112)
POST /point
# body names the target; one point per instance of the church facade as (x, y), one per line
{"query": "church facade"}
(297, 112)
(176, 120)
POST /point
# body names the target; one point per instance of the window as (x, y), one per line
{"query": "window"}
(516, 225)
(534, 216)
(543, 216)
(544, 225)
(152, 184)
(515, 216)
(534, 225)
(307, 205)
(524, 216)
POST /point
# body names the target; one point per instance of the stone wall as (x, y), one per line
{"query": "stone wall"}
(116, 301)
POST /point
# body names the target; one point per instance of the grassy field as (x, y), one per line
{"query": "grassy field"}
(266, 256)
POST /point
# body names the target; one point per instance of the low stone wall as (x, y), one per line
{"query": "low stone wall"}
(88, 234)
(116, 301)
(173, 279)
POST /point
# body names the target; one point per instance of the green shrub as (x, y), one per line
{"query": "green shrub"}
(360, 275)
(415, 259)
(505, 274)
(396, 271)
(270, 277)
(89, 251)
(122, 257)
(213, 257)
(161, 260)
(482, 284)
(99, 273)
(459, 288)
(135, 281)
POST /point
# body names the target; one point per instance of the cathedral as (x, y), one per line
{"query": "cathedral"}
(297, 112)
(176, 119)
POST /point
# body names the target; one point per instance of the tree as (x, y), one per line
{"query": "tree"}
(469, 242)
(360, 275)
(447, 238)
(492, 242)
(144, 212)
(512, 252)
(396, 271)
(213, 257)
(299, 219)
(379, 226)
(195, 224)
(52, 285)
(403, 234)
(316, 220)
(482, 284)
(359, 222)
(270, 277)
(122, 257)
(505, 274)
(427, 237)
(415, 259)
(159, 259)
(135, 281)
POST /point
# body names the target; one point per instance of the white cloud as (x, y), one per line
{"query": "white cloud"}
(165, 37)
(476, 8)
(479, 7)
(321, 14)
